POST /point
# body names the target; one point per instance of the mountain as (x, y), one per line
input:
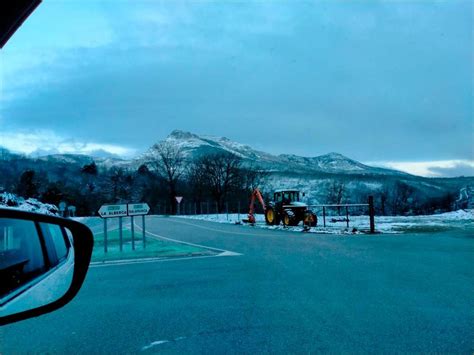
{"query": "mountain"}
(317, 176)
(195, 146)
(107, 161)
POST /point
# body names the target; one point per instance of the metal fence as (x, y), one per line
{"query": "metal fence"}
(324, 209)
(330, 213)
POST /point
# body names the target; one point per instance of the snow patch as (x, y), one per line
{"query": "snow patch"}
(9, 200)
(357, 224)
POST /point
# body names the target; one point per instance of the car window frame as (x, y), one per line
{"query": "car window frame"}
(49, 268)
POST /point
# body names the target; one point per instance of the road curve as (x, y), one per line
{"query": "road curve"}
(286, 292)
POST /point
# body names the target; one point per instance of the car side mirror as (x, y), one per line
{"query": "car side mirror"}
(43, 263)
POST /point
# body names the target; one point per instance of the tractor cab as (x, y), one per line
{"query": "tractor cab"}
(286, 196)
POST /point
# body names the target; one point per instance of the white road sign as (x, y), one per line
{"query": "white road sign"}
(107, 211)
(179, 199)
(137, 209)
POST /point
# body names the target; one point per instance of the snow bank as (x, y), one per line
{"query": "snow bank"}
(9, 200)
(360, 224)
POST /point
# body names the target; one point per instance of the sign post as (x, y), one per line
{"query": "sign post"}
(120, 233)
(124, 210)
(109, 211)
(138, 209)
(133, 233)
(179, 199)
(105, 235)
(143, 231)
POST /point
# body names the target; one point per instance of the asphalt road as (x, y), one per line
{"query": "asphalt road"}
(286, 293)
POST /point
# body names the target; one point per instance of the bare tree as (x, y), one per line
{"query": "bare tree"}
(253, 177)
(170, 165)
(335, 194)
(221, 175)
(120, 185)
(197, 182)
(402, 198)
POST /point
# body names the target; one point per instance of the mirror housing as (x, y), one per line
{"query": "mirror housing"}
(82, 243)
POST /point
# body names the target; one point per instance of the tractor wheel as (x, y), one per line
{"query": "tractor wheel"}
(271, 217)
(310, 219)
(289, 218)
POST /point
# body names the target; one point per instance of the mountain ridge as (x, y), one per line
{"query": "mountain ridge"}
(195, 146)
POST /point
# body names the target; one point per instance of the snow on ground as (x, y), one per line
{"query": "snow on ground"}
(360, 224)
(9, 200)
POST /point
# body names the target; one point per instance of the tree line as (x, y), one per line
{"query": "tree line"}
(221, 178)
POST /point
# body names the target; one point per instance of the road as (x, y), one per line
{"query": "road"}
(286, 292)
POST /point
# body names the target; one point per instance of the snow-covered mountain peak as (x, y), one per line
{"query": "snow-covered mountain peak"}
(194, 146)
(334, 155)
(178, 134)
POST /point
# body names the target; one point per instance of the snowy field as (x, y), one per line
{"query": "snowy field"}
(462, 219)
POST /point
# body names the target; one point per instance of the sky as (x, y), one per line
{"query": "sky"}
(388, 83)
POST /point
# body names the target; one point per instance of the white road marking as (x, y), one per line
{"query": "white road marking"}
(154, 260)
(181, 242)
(222, 252)
(158, 342)
(178, 220)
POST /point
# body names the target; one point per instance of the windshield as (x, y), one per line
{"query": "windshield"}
(291, 196)
(182, 133)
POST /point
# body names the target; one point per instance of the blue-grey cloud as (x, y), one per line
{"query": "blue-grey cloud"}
(375, 81)
(461, 169)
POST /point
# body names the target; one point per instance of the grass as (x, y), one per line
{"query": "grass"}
(155, 247)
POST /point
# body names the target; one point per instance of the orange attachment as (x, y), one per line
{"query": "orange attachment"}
(256, 194)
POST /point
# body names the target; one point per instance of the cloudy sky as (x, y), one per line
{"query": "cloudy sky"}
(389, 83)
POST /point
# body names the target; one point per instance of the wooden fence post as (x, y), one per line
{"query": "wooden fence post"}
(347, 217)
(372, 214)
(324, 216)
